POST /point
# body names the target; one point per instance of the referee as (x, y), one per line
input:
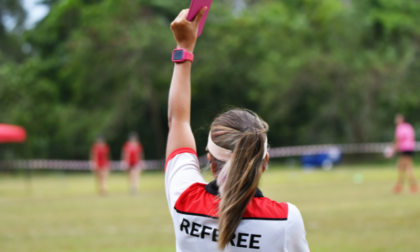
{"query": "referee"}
(230, 213)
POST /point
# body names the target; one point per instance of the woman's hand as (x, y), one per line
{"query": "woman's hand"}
(185, 32)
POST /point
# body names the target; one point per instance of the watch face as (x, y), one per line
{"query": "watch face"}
(178, 55)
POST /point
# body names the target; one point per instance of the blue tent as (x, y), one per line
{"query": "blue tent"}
(325, 159)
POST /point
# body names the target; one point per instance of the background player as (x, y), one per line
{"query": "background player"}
(230, 213)
(132, 155)
(405, 145)
(99, 157)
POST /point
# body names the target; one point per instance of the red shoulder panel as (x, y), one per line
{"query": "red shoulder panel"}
(265, 208)
(179, 151)
(197, 201)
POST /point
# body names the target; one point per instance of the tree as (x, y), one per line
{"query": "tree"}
(318, 71)
(10, 46)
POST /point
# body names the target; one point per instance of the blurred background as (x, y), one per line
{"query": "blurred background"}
(330, 71)
(318, 71)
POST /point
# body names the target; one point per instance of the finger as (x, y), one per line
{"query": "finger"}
(173, 24)
(179, 18)
(176, 19)
(200, 15)
(183, 15)
(180, 14)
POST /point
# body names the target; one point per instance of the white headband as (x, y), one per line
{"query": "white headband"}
(223, 154)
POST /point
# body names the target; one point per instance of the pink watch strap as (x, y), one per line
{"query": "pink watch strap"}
(189, 56)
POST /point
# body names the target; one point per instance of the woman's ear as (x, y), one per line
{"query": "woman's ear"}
(267, 157)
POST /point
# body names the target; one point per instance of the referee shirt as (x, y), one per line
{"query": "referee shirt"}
(266, 225)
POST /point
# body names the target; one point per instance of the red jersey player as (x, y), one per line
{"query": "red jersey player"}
(99, 157)
(131, 160)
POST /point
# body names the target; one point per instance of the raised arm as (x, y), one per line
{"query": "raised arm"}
(179, 112)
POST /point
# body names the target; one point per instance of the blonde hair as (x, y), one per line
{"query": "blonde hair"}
(245, 134)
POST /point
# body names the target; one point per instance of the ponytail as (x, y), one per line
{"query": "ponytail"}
(238, 178)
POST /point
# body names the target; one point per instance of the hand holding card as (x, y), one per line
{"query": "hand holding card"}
(185, 32)
(195, 7)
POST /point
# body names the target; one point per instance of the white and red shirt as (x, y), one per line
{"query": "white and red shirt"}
(266, 225)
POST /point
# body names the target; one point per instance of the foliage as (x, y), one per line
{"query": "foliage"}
(318, 71)
(10, 37)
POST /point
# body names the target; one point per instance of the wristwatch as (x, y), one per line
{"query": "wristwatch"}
(181, 55)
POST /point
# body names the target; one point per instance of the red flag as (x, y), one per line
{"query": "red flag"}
(11, 133)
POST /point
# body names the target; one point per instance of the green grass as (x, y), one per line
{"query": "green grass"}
(63, 213)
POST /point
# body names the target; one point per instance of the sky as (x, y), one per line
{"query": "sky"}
(35, 12)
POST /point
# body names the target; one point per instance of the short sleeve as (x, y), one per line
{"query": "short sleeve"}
(182, 169)
(295, 240)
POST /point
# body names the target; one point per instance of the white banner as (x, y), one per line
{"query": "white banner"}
(84, 165)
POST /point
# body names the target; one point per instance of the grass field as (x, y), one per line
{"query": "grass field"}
(63, 213)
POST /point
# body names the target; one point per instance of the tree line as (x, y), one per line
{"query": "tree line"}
(318, 71)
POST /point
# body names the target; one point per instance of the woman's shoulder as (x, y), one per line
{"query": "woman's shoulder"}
(265, 208)
(196, 200)
(294, 212)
